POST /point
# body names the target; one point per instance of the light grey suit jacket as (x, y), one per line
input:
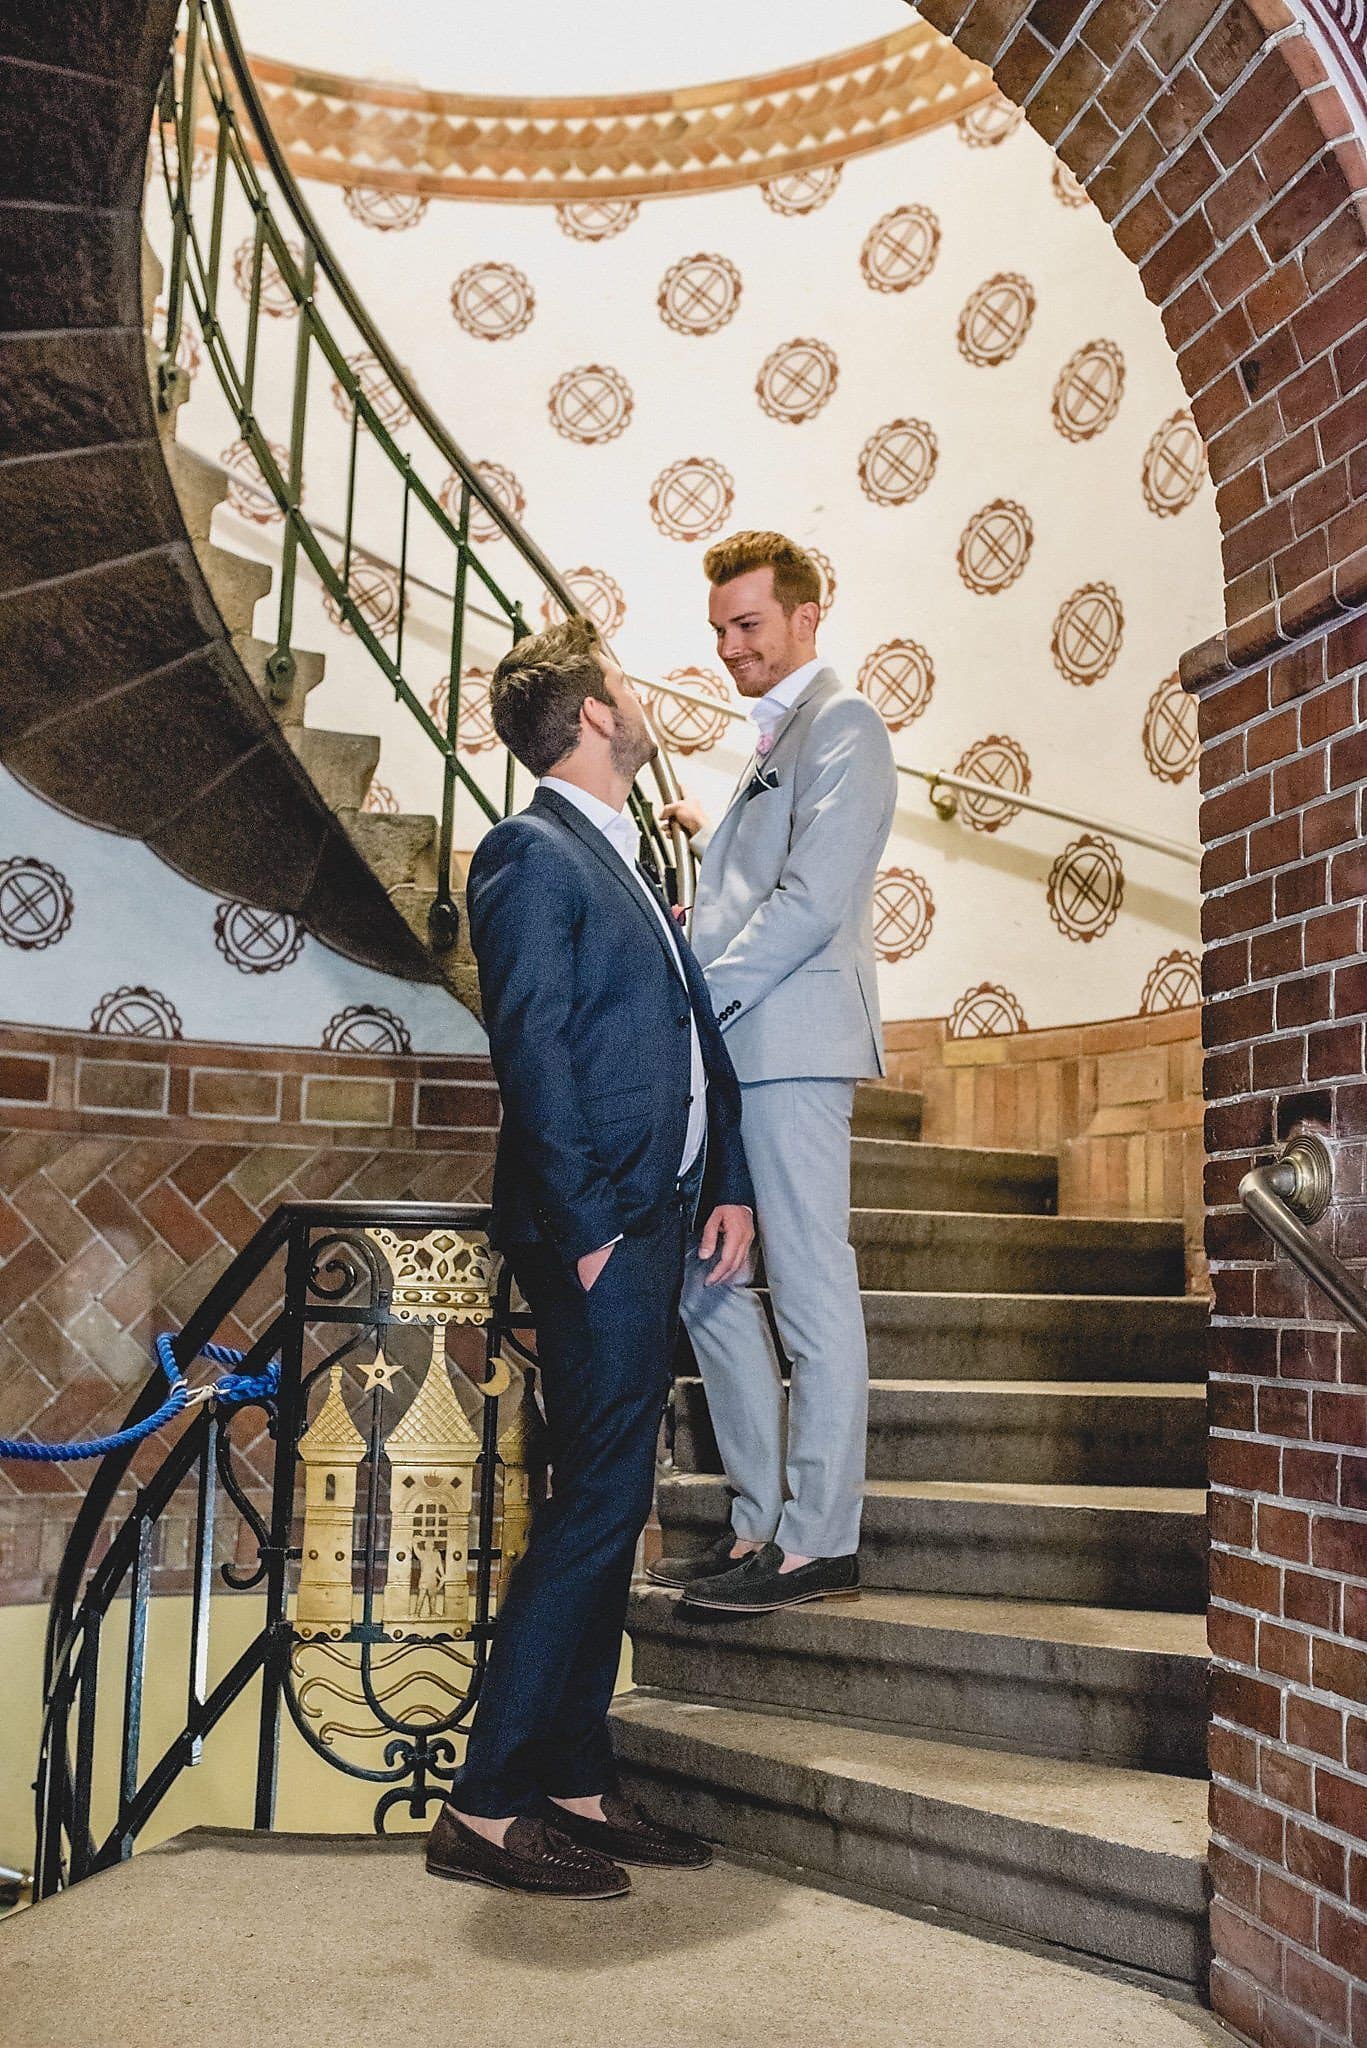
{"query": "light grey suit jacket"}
(783, 922)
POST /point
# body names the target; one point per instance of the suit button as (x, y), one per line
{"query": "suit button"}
(682, 1023)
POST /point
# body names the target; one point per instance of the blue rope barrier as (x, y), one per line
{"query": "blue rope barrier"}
(232, 1390)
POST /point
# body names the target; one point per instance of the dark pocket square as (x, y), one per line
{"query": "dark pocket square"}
(759, 781)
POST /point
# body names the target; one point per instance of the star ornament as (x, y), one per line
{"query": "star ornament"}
(379, 1373)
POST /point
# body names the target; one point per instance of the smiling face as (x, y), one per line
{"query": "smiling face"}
(757, 641)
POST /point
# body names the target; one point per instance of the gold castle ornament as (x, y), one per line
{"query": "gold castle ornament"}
(431, 1451)
(439, 1278)
(330, 1450)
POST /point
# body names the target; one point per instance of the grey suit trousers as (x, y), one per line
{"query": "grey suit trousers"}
(797, 1142)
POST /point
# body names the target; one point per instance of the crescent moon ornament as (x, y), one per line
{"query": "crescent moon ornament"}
(499, 1380)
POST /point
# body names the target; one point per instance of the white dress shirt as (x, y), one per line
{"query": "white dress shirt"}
(618, 828)
(775, 704)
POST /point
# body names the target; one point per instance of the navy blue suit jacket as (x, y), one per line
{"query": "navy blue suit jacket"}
(588, 1031)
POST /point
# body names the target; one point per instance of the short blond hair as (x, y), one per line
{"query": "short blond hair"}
(797, 580)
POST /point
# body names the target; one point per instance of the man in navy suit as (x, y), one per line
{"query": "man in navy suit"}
(621, 1128)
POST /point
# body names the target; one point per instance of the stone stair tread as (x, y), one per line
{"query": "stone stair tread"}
(1102, 1390)
(996, 1306)
(1144, 1811)
(924, 1148)
(1165, 1500)
(1070, 1229)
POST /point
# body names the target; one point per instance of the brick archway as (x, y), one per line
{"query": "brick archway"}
(1210, 135)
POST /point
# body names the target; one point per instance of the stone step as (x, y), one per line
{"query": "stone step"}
(1090, 1683)
(1090, 1859)
(1091, 1546)
(236, 584)
(881, 1112)
(892, 1173)
(400, 848)
(1098, 1433)
(308, 673)
(1035, 1336)
(341, 765)
(200, 487)
(970, 1253)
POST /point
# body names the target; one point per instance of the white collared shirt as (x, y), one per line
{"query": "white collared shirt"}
(618, 828)
(766, 711)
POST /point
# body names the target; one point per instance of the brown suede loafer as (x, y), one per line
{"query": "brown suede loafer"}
(629, 1836)
(534, 1858)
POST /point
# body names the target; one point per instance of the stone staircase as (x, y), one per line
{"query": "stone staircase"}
(1008, 1725)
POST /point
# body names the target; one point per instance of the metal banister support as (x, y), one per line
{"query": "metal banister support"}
(1286, 1194)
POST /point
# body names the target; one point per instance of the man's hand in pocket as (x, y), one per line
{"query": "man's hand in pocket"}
(592, 1264)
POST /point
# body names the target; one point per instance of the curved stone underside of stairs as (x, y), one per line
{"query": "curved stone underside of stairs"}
(125, 698)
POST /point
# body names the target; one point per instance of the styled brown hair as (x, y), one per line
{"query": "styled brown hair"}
(797, 580)
(539, 688)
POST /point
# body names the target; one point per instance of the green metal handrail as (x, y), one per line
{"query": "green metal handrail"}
(208, 82)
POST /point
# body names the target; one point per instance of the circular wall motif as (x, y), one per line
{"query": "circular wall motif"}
(257, 941)
(801, 191)
(897, 462)
(1174, 983)
(689, 728)
(1174, 465)
(275, 298)
(796, 380)
(1087, 633)
(1004, 763)
(995, 546)
(36, 904)
(596, 593)
(898, 679)
(493, 301)
(249, 494)
(1172, 744)
(900, 249)
(987, 1011)
(1089, 390)
(1086, 888)
(390, 406)
(699, 294)
(691, 498)
(136, 1012)
(828, 582)
(389, 212)
(1068, 189)
(990, 122)
(366, 1027)
(374, 590)
(996, 318)
(595, 220)
(381, 799)
(903, 913)
(502, 484)
(591, 404)
(189, 355)
(476, 733)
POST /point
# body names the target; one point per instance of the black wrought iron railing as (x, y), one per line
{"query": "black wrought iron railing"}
(369, 1514)
(400, 490)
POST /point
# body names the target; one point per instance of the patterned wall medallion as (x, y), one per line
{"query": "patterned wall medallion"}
(900, 249)
(801, 191)
(1172, 744)
(595, 220)
(987, 1011)
(1004, 763)
(366, 1027)
(688, 728)
(1174, 983)
(476, 733)
(493, 301)
(257, 941)
(990, 122)
(249, 495)
(1086, 888)
(996, 318)
(596, 593)
(897, 463)
(699, 294)
(391, 407)
(1088, 633)
(189, 354)
(36, 904)
(796, 380)
(136, 1012)
(898, 679)
(503, 485)
(903, 913)
(591, 404)
(1068, 189)
(374, 590)
(381, 799)
(1174, 465)
(389, 212)
(1089, 390)
(828, 582)
(691, 498)
(995, 546)
(275, 298)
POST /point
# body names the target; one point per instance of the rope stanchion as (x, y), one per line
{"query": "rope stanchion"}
(230, 1391)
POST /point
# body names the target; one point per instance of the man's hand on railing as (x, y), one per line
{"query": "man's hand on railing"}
(687, 813)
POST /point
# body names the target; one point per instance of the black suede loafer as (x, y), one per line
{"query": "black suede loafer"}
(707, 1564)
(629, 1836)
(757, 1586)
(534, 1858)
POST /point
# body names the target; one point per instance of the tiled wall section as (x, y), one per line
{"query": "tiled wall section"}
(130, 1174)
(1119, 1102)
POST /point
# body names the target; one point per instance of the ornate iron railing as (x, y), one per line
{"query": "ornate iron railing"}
(212, 130)
(377, 1593)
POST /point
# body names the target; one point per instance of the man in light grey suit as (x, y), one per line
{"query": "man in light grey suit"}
(783, 926)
